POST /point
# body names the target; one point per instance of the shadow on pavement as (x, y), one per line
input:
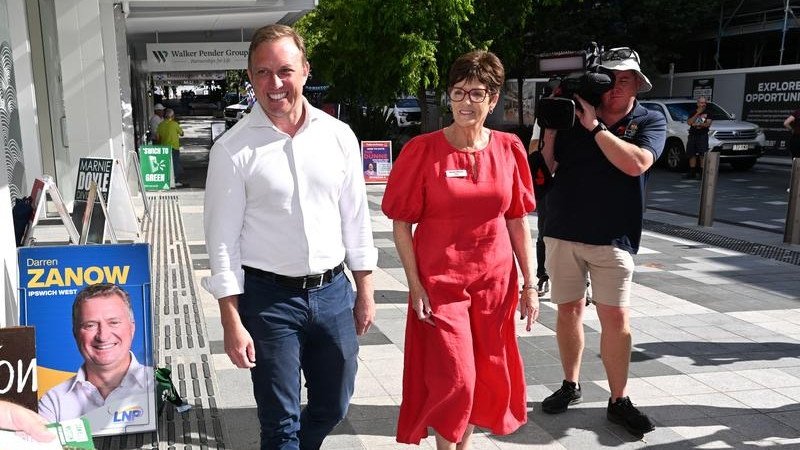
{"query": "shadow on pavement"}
(386, 297)
(717, 353)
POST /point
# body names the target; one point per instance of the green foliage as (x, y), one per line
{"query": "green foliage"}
(373, 51)
(376, 123)
(369, 123)
(235, 80)
(655, 28)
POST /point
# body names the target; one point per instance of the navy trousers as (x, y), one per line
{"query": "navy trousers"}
(293, 330)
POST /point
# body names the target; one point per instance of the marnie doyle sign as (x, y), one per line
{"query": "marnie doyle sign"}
(197, 56)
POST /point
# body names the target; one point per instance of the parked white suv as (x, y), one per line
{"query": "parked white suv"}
(738, 143)
(406, 112)
(236, 111)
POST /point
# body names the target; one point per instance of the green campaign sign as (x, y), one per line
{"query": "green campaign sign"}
(156, 164)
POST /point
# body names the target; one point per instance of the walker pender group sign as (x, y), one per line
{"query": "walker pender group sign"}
(197, 56)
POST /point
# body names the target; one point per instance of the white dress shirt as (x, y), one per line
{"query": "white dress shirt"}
(77, 396)
(290, 205)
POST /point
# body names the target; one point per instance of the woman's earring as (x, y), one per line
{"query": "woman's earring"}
(491, 110)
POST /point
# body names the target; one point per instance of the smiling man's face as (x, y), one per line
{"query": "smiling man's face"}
(105, 332)
(278, 72)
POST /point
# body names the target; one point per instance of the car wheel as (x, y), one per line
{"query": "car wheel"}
(743, 164)
(675, 155)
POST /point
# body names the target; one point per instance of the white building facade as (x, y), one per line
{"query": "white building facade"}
(75, 79)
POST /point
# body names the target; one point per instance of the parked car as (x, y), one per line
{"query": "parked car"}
(406, 112)
(231, 98)
(738, 142)
(235, 112)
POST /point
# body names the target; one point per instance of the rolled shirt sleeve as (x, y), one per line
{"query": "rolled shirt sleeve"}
(360, 251)
(223, 216)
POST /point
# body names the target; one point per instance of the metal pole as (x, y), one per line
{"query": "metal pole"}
(792, 233)
(786, 10)
(708, 189)
(671, 77)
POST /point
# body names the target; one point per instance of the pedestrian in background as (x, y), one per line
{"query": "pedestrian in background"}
(594, 225)
(169, 134)
(285, 210)
(542, 179)
(792, 123)
(155, 120)
(697, 143)
(468, 190)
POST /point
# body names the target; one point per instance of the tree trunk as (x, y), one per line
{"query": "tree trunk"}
(521, 108)
(422, 99)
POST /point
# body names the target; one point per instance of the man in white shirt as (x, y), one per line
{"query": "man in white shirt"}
(155, 120)
(110, 378)
(285, 207)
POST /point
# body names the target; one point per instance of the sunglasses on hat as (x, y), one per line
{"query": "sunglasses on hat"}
(619, 54)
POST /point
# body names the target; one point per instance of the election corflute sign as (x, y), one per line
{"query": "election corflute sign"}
(18, 382)
(99, 171)
(50, 279)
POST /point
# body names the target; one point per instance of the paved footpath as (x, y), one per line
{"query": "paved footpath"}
(715, 363)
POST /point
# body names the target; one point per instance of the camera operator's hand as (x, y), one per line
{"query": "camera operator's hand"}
(586, 114)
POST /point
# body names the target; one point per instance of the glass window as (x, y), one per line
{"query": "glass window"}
(681, 111)
(407, 103)
(654, 107)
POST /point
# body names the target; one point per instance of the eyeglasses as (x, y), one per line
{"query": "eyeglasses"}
(618, 54)
(475, 95)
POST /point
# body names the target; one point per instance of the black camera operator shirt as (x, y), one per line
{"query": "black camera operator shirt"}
(593, 202)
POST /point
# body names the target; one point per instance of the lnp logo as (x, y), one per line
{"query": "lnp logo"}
(161, 55)
(129, 414)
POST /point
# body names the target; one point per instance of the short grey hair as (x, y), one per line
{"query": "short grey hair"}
(94, 291)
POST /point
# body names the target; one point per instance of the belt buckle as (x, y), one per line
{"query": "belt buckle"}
(310, 282)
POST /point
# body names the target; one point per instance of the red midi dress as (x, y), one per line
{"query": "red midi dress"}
(467, 369)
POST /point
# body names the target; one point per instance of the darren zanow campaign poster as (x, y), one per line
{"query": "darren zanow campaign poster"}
(95, 359)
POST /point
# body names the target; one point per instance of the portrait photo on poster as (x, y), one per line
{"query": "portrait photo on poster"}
(91, 309)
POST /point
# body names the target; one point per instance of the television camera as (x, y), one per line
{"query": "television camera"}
(571, 72)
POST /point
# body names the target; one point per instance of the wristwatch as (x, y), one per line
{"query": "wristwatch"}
(600, 127)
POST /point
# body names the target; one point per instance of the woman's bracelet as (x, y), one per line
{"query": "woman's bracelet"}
(528, 286)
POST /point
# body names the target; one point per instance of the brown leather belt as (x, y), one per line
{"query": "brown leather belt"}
(305, 282)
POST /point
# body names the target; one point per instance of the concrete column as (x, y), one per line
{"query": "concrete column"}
(26, 94)
(91, 97)
(10, 164)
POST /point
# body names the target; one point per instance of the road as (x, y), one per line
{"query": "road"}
(756, 198)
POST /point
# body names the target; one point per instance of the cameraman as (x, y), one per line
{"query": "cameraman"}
(594, 224)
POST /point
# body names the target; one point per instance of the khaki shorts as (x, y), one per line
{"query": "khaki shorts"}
(569, 263)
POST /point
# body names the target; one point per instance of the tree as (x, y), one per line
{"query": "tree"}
(370, 52)
(502, 27)
(658, 30)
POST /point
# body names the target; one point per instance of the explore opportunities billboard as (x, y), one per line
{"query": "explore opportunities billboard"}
(769, 97)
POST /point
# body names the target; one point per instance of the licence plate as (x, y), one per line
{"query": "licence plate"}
(741, 146)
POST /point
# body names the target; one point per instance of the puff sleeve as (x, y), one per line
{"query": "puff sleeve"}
(404, 198)
(522, 199)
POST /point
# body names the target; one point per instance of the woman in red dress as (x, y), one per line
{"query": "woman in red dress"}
(468, 190)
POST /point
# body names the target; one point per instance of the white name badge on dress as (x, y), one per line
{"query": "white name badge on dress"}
(456, 173)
